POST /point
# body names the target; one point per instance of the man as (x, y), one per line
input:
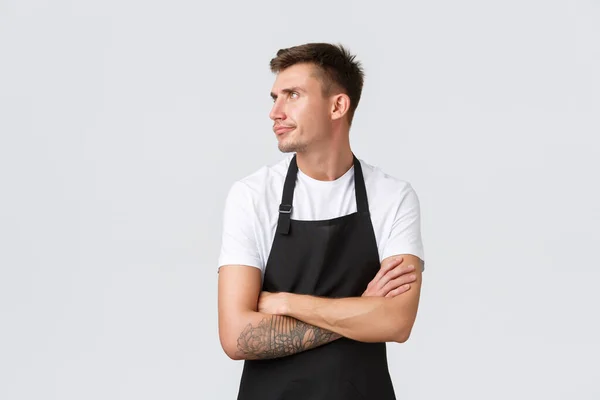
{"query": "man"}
(321, 255)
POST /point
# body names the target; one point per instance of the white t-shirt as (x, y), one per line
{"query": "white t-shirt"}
(252, 211)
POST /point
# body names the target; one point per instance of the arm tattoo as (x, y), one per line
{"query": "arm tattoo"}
(279, 336)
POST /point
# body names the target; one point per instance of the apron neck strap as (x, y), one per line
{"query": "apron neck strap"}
(362, 204)
(287, 198)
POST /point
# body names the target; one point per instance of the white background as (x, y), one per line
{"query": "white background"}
(124, 123)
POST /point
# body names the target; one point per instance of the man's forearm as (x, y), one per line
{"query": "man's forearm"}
(366, 319)
(273, 336)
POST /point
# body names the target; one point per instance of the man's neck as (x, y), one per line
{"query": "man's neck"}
(326, 165)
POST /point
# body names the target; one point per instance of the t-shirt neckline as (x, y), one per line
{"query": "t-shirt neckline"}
(342, 179)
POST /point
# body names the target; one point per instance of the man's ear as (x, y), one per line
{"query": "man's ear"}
(340, 105)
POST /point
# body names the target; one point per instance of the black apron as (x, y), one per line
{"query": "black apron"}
(326, 258)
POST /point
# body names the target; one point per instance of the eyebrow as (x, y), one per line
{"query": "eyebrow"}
(289, 90)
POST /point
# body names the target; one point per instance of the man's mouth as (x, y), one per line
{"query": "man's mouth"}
(280, 130)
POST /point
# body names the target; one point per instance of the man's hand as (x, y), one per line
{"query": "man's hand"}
(272, 303)
(392, 279)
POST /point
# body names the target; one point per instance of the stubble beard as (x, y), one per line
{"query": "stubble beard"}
(291, 145)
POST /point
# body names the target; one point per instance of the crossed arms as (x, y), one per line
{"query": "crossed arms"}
(255, 325)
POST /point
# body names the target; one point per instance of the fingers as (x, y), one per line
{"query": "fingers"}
(398, 291)
(395, 273)
(398, 271)
(399, 282)
(387, 266)
(390, 278)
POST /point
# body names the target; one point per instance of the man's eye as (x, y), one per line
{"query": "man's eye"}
(294, 95)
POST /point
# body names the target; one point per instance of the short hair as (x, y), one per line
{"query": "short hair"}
(335, 67)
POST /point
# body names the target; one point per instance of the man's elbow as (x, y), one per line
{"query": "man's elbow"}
(230, 348)
(233, 354)
(402, 335)
(229, 344)
(403, 330)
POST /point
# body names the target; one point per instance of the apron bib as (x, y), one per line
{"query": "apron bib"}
(326, 258)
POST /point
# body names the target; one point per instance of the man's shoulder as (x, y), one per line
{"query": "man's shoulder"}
(382, 183)
(264, 179)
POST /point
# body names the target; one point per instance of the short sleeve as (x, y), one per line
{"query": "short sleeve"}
(405, 234)
(238, 241)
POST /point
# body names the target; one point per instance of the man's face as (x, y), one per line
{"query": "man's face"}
(300, 113)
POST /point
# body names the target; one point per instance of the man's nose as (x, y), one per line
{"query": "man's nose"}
(277, 111)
